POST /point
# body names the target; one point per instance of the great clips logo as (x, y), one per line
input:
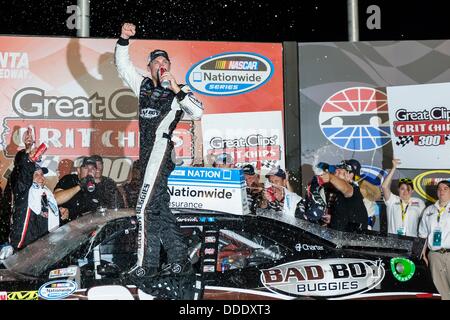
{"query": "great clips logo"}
(324, 278)
(356, 119)
(229, 73)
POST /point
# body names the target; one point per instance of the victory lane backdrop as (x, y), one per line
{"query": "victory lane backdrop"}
(348, 96)
(68, 90)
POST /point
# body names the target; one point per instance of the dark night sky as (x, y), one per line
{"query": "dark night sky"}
(231, 20)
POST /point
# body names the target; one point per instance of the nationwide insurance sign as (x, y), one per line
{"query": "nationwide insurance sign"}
(214, 189)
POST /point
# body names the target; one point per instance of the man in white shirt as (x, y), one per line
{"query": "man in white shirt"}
(435, 227)
(403, 211)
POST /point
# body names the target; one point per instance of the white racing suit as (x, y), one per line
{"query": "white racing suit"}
(159, 112)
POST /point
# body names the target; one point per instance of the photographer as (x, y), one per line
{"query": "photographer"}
(77, 193)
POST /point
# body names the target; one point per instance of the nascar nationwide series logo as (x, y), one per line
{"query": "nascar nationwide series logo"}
(229, 73)
(356, 119)
(323, 278)
(425, 184)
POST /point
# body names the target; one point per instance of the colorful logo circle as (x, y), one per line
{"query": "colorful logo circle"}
(425, 184)
(356, 119)
(403, 269)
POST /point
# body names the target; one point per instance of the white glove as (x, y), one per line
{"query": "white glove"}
(6, 252)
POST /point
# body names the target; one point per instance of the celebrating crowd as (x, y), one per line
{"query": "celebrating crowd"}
(337, 197)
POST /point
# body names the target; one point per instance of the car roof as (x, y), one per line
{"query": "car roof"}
(53, 247)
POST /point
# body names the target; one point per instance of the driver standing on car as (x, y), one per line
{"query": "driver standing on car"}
(162, 104)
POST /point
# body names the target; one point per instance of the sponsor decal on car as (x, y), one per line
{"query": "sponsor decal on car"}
(186, 219)
(403, 269)
(425, 184)
(307, 247)
(210, 239)
(208, 268)
(229, 73)
(57, 289)
(210, 251)
(62, 273)
(324, 278)
(356, 119)
(207, 219)
(23, 295)
(3, 295)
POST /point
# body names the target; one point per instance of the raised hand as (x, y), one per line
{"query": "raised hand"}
(28, 139)
(128, 30)
(395, 163)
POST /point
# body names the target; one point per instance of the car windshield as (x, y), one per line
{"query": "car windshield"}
(40, 255)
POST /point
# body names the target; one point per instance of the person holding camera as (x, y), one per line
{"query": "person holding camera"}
(77, 193)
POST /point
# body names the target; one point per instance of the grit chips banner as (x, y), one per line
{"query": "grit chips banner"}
(69, 92)
(420, 123)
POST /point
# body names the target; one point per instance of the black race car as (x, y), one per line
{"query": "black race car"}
(262, 256)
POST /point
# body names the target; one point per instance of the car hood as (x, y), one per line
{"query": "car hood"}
(8, 275)
(51, 248)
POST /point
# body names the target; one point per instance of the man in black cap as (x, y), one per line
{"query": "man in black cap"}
(348, 212)
(162, 103)
(109, 195)
(77, 192)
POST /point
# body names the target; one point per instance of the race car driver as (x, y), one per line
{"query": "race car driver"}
(160, 109)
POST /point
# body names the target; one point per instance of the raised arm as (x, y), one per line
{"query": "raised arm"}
(340, 184)
(125, 67)
(386, 186)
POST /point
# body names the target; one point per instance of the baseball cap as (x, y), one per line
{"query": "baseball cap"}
(223, 158)
(157, 53)
(96, 157)
(88, 161)
(38, 167)
(277, 171)
(352, 166)
(249, 169)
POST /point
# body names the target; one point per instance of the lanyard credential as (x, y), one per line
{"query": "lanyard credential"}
(441, 210)
(403, 210)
